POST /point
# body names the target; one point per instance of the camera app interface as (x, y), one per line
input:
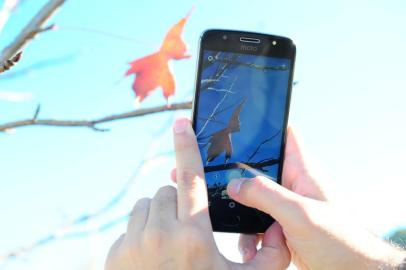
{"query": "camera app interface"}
(240, 118)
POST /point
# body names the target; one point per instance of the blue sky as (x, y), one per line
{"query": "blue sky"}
(348, 109)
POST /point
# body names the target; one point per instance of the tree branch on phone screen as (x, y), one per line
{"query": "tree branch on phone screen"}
(216, 108)
(238, 165)
(258, 149)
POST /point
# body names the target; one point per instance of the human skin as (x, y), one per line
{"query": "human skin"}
(173, 230)
(318, 234)
(175, 227)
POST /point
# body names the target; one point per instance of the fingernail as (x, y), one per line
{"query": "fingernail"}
(235, 185)
(243, 251)
(180, 126)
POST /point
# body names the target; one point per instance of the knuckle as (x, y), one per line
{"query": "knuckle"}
(165, 196)
(308, 213)
(188, 176)
(154, 238)
(188, 141)
(142, 203)
(122, 253)
(166, 192)
(252, 187)
(192, 238)
(128, 249)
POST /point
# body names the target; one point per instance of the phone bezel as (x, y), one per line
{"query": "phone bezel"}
(285, 48)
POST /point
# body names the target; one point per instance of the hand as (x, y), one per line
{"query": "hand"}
(296, 177)
(318, 235)
(173, 230)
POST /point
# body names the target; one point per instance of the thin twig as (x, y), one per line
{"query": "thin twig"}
(261, 144)
(256, 151)
(37, 112)
(92, 124)
(35, 26)
(215, 109)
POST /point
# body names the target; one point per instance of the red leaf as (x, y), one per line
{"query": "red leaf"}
(153, 71)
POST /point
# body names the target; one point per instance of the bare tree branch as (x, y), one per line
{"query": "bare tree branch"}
(34, 27)
(92, 124)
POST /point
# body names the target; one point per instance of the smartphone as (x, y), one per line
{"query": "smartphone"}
(240, 115)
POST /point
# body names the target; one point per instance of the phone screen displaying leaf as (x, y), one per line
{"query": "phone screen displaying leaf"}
(240, 115)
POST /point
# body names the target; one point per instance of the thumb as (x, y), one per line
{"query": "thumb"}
(264, 194)
(274, 253)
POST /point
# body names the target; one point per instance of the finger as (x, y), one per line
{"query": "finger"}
(274, 254)
(296, 168)
(273, 237)
(173, 175)
(294, 163)
(138, 218)
(111, 260)
(163, 208)
(292, 143)
(247, 245)
(267, 196)
(192, 191)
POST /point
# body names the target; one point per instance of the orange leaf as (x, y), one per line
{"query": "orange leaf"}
(153, 71)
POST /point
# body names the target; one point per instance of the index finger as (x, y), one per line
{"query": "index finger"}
(192, 191)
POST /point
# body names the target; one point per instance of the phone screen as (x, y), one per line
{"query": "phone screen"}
(239, 123)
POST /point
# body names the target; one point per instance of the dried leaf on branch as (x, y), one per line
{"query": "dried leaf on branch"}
(153, 71)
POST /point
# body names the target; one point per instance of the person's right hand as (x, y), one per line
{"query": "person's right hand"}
(318, 235)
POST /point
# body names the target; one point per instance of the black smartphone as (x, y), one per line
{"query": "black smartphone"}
(240, 114)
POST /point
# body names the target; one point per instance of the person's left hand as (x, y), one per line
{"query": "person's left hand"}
(173, 230)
